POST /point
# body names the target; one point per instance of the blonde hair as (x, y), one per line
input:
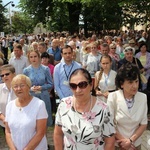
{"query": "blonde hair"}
(21, 77)
(33, 50)
(99, 78)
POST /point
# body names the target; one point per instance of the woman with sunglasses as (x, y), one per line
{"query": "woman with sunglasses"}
(105, 78)
(83, 121)
(112, 52)
(7, 73)
(128, 108)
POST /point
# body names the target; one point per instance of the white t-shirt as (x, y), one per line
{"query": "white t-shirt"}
(22, 123)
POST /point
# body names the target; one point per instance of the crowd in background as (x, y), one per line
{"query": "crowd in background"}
(49, 60)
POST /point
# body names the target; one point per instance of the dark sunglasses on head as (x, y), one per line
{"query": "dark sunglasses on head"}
(6, 74)
(129, 49)
(81, 85)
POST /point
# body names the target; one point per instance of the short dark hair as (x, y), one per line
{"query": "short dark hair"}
(65, 47)
(128, 71)
(45, 55)
(142, 44)
(19, 46)
(85, 73)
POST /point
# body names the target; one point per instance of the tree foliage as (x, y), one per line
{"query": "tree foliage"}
(22, 23)
(59, 15)
(3, 19)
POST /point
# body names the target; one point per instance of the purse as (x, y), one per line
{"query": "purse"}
(142, 76)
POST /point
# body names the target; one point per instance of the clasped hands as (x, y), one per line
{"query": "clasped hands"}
(36, 88)
(125, 144)
(105, 94)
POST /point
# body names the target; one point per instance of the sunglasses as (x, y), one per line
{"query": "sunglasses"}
(113, 48)
(129, 49)
(81, 85)
(6, 74)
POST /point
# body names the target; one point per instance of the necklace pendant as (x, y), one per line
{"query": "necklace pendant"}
(20, 108)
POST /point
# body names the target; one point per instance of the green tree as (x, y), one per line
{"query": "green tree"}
(135, 12)
(3, 19)
(22, 23)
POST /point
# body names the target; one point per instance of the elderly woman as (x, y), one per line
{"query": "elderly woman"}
(83, 121)
(124, 106)
(7, 73)
(25, 126)
(144, 58)
(41, 79)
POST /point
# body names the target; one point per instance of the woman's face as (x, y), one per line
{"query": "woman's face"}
(129, 56)
(33, 58)
(45, 61)
(7, 76)
(113, 49)
(105, 63)
(130, 88)
(93, 49)
(21, 88)
(80, 93)
(143, 49)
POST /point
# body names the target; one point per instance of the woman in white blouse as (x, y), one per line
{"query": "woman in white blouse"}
(105, 78)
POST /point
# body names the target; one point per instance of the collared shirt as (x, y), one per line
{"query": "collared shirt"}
(19, 64)
(62, 73)
(92, 63)
(5, 97)
(56, 53)
(4, 88)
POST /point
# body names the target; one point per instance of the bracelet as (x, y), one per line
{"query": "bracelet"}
(131, 141)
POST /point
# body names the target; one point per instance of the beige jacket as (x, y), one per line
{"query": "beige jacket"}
(127, 122)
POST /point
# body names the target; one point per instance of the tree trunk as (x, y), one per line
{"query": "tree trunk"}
(74, 12)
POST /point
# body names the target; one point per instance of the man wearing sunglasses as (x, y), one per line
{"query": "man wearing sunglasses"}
(62, 72)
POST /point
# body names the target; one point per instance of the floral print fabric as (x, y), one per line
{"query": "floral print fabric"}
(84, 131)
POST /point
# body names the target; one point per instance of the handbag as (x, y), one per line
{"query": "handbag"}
(142, 76)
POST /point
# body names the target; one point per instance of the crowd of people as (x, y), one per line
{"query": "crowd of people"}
(98, 83)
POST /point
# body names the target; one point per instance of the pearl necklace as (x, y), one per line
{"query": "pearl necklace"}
(85, 107)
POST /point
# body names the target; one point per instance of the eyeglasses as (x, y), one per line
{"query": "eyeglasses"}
(93, 47)
(19, 86)
(6, 74)
(81, 85)
(128, 49)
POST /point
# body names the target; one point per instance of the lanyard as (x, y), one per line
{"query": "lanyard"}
(69, 71)
(106, 78)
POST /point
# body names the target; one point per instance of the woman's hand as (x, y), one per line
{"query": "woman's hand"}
(105, 94)
(99, 93)
(125, 144)
(36, 88)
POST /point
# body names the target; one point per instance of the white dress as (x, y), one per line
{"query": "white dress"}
(22, 123)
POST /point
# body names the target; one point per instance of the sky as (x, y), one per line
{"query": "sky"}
(4, 2)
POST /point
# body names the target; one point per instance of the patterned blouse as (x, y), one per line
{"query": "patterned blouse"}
(84, 131)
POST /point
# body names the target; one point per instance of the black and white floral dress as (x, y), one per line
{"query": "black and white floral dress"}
(84, 131)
